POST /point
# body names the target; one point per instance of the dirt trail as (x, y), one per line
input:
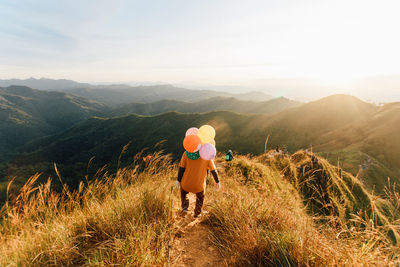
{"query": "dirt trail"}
(191, 245)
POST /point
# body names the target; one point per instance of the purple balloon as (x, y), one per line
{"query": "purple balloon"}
(207, 151)
(192, 131)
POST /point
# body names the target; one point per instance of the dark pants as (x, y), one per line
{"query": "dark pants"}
(199, 201)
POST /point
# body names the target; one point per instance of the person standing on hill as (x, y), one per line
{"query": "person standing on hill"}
(192, 178)
(229, 155)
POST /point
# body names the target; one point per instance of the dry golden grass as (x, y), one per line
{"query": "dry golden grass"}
(261, 221)
(258, 219)
(119, 219)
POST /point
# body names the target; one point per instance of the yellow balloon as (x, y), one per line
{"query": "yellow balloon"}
(206, 133)
(213, 142)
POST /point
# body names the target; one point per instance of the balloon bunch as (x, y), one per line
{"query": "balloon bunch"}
(201, 140)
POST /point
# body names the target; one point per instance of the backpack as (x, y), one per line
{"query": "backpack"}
(229, 156)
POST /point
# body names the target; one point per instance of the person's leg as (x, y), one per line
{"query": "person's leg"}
(184, 200)
(199, 203)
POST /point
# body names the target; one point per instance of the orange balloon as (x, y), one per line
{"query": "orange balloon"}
(191, 143)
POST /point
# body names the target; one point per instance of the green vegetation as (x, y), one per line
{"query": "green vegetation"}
(26, 114)
(376, 136)
(364, 166)
(104, 139)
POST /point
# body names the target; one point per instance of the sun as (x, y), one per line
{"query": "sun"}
(335, 72)
(334, 77)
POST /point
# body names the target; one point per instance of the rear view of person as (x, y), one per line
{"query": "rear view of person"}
(229, 155)
(192, 178)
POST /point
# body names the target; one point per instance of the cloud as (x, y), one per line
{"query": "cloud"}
(220, 42)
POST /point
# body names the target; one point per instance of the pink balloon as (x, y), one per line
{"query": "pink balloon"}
(207, 151)
(192, 131)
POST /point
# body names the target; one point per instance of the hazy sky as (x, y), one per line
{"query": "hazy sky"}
(273, 44)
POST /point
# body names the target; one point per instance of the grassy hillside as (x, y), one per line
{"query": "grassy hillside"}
(26, 114)
(260, 218)
(328, 189)
(122, 219)
(377, 136)
(211, 104)
(348, 130)
(263, 222)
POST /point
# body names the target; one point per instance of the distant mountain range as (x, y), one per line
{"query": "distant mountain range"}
(342, 126)
(29, 113)
(45, 84)
(114, 95)
(41, 127)
(212, 104)
(152, 93)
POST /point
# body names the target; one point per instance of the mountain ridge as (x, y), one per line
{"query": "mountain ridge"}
(211, 104)
(118, 94)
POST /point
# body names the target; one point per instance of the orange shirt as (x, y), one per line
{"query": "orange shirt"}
(194, 177)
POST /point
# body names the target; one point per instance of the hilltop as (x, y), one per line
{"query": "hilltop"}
(266, 214)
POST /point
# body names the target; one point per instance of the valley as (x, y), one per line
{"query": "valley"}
(40, 128)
